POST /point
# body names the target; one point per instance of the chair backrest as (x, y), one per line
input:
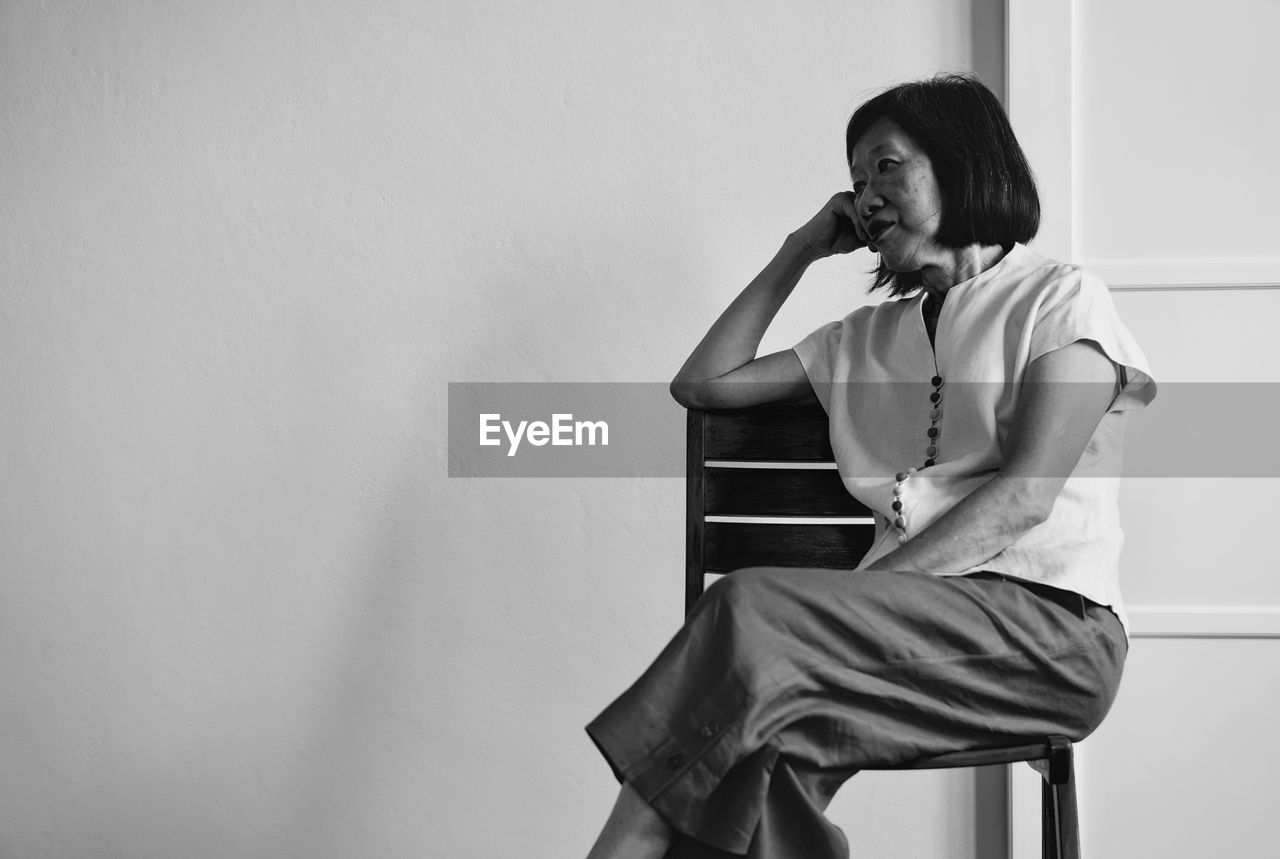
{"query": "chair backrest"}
(763, 490)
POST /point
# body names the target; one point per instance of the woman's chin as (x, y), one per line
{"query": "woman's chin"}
(899, 263)
(896, 265)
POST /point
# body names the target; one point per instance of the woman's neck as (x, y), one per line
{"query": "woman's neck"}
(956, 265)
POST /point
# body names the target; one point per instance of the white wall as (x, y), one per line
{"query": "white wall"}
(243, 248)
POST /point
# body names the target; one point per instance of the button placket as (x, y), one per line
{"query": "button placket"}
(899, 490)
(931, 450)
(935, 418)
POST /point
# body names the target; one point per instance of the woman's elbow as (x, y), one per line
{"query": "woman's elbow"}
(691, 395)
(1030, 500)
(1040, 506)
(712, 394)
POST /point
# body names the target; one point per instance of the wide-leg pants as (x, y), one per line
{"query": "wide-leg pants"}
(784, 682)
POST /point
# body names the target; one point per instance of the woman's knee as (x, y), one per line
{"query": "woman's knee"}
(763, 596)
(732, 595)
(747, 589)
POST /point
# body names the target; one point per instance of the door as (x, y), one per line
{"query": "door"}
(1151, 127)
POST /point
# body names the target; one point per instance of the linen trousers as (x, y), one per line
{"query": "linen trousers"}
(784, 682)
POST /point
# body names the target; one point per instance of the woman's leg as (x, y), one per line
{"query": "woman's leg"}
(633, 831)
(817, 672)
(792, 823)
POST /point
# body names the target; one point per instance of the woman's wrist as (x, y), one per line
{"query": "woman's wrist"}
(798, 248)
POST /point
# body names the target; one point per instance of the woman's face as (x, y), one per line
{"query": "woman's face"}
(897, 195)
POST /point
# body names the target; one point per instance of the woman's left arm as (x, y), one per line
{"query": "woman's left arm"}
(1064, 397)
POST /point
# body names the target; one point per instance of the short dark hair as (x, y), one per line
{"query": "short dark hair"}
(988, 191)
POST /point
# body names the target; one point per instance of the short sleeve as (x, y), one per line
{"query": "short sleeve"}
(1079, 307)
(817, 354)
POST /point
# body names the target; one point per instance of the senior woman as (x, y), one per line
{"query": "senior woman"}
(979, 413)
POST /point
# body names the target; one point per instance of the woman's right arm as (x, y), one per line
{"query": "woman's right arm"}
(723, 372)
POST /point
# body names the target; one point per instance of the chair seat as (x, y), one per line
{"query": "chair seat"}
(1042, 757)
(973, 758)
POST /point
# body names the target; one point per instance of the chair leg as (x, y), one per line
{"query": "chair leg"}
(1049, 824)
(1068, 820)
(1060, 824)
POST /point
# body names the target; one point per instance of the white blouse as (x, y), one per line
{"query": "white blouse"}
(872, 373)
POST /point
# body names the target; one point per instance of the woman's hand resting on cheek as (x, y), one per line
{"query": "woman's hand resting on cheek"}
(835, 229)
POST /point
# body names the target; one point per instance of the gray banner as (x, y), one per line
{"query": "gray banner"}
(565, 429)
(635, 429)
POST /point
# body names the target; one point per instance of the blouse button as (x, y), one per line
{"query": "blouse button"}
(901, 476)
(900, 522)
(936, 381)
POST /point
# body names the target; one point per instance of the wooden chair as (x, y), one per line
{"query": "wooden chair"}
(777, 463)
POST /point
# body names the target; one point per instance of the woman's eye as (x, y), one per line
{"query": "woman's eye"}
(885, 164)
(857, 188)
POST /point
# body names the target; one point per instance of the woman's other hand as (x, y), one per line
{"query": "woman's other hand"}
(835, 229)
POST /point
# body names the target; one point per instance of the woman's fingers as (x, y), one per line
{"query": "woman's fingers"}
(846, 209)
(835, 229)
(843, 205)
(849, 209)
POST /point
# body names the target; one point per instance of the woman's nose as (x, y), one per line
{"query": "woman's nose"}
(869, 201)
(869, 204)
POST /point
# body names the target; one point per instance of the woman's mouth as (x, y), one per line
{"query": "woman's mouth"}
(875, 232)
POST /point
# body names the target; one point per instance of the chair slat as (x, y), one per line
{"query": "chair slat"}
(777, 492)
(731, 545)
(784, 434)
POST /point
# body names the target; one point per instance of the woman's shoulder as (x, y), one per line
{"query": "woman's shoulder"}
(878, 314)
(1042, 280)
(1026, 267)
(1052, 272)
